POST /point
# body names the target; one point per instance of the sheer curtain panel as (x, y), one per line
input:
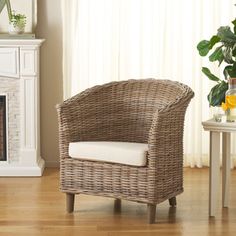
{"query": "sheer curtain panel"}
(107, 40)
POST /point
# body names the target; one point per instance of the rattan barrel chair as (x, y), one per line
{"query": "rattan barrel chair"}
(147, 111)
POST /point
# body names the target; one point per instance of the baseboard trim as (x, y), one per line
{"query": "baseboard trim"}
(22, 171)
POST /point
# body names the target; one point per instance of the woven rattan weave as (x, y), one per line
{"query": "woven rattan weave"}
(145, 111)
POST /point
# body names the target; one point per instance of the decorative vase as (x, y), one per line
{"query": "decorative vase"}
(15, 29)
(230, 101)
(218, 114)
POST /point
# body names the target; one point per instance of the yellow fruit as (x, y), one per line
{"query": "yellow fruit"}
(224, 106)
(231, 101)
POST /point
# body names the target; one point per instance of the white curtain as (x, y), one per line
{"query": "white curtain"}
(107, 40)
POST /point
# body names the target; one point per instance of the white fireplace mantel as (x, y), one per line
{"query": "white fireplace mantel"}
(19, 60)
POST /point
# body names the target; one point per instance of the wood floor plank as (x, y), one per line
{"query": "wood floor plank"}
(35, 206)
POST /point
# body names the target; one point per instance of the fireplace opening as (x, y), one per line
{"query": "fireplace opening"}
(3, 129)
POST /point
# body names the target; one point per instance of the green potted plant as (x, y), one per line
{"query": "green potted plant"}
(17, 22)
(223, 50)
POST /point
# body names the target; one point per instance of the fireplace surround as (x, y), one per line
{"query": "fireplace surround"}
(19, 108)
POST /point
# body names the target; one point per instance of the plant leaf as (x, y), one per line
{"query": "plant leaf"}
(9, 11)
(226, 71)
(217, 94)
(232, 71)
(203, 47)
(2, 5)
(208, 73)
(227, 53)
(234, 50)
(214, 40)
(234, 23)
(217, 55)
(226, 35)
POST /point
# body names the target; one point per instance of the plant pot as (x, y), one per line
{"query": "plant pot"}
(15, 29)
(218, 114)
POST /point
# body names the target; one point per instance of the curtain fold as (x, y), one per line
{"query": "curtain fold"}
(107, 40)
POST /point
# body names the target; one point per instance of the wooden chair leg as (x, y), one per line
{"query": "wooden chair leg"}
(70, 199)
(117, 205)
(172, 201)
(151, 213)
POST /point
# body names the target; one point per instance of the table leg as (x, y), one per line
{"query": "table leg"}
(225, 169)
(214, 171)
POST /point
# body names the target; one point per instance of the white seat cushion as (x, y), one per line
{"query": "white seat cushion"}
(115, 152)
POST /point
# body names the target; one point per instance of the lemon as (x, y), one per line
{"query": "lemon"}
(224, 106)
(231, 101)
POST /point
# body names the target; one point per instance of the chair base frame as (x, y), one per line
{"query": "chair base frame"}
(151, 208)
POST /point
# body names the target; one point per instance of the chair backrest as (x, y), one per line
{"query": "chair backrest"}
(123, 111)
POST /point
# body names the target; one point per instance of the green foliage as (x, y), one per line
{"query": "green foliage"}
(205, 46)
(234, 23)
(18, 20)
(208, 73)
(8, 4)
(217, 55)
(217, 94)
(9, 11)
(225, 51)
(227, 37)
(2, 5)
(230, 71)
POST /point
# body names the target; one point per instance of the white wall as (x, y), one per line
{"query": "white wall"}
(50, 28)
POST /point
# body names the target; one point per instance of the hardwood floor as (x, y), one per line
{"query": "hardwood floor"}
(34, 206)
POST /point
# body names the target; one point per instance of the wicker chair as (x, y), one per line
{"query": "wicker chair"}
(144, 111)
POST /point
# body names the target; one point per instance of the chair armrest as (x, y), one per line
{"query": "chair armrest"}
(65, 135)
(80, 118)
(165, 144)
(165, 155)
(72, 121)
